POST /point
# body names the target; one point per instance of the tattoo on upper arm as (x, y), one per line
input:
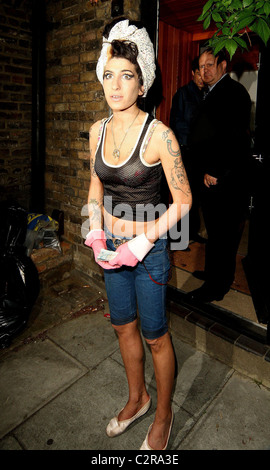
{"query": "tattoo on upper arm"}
(92, 167)
(165, 134)
(174, 153)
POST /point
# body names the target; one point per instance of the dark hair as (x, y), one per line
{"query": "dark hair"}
(124, 49)
(195, 64)
(221, 55)
(110, 25)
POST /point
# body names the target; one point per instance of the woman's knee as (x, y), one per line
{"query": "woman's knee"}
(157, 344)
(127, 329)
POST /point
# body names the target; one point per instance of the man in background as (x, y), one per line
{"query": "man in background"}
(220, 144)
(185, 104)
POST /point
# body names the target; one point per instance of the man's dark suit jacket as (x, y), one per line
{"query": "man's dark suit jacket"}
(184, 106)
(220, 134)
(220, 147)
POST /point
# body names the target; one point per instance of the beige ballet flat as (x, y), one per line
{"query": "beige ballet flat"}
(146, 446)
(115, 427)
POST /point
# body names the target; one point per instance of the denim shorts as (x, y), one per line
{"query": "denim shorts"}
(142, 288)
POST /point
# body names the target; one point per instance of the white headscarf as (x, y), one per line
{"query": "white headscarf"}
(122, 31)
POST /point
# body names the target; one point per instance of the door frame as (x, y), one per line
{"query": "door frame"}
(175, 51)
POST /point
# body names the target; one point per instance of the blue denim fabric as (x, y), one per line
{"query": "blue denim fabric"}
(129, 287)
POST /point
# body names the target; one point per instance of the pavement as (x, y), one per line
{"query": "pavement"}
(62, 380)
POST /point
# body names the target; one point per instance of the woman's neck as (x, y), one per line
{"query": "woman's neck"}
(124, 117)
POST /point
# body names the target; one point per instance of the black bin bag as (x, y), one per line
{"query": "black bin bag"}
(19, 281)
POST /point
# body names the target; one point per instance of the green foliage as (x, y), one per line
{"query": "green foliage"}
(232, 19)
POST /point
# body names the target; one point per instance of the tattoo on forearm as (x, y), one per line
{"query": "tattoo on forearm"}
(95, 210)
(174, 153)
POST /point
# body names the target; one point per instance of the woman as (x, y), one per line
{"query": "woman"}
(128, 153)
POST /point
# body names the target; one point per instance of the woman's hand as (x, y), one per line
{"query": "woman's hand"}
(131, 252)
(96, 239)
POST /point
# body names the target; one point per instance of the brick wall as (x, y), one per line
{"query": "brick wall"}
(74, 100)
(15, 101)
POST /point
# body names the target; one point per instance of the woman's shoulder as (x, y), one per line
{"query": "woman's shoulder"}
(95, 127)
(161, 137)
(95, 131)
(161, 129)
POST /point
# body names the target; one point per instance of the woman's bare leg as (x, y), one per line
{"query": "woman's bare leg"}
(164, 366)
(132, 352)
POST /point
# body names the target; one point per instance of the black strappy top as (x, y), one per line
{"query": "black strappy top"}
(132, 189)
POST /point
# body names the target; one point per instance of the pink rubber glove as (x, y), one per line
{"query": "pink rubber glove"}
(133, 251)
(124, 257)
(96, 239)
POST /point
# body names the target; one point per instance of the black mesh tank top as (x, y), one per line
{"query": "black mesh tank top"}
(132, 189)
